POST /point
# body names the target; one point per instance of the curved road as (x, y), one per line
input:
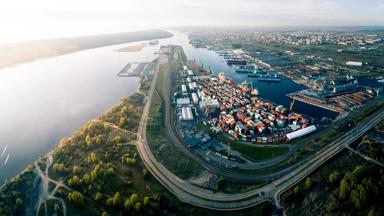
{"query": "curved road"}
(221, 201)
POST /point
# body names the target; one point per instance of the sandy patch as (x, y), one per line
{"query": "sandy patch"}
(133, 48)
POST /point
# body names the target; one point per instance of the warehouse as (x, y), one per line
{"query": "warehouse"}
(186, 113)
(190, 73)
(182, 102)
(191, 87)
(301, 132)
(354, 63)
(195, 99)
(184, 89)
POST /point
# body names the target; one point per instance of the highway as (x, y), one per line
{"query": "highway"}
(197, 196)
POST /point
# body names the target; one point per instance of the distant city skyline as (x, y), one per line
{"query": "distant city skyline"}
(27, 20)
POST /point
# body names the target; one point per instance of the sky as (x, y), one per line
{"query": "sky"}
(37, 19)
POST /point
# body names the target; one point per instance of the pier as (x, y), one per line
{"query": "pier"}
(313, 101)
(136, 69)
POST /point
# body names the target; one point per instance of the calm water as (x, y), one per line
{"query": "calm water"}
(46, 100)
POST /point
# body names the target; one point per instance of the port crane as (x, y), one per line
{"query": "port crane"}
(292, 103)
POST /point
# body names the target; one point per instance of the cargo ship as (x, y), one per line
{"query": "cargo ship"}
(236, 62)
(249, 68)
(268, 79)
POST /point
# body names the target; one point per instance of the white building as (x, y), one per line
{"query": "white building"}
(301, 132)
(184, 89)
(186, 113)
(354, 63)
(195, 99)
(190, 73)
(191, 86)
(182, 101)
(208, 102)
(194, 85)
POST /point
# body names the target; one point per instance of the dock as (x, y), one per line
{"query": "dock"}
(136, 69)
(299, 96)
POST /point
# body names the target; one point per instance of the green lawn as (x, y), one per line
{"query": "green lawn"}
(252, 152)
(258, 153)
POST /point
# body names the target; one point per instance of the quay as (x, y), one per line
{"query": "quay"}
(313, 101)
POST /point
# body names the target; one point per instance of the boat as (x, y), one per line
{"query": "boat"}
(249, 68)
(268, 79)
(236, 62)
(254, 74)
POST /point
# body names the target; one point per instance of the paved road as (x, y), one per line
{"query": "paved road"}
(221, 201)
(365, 157)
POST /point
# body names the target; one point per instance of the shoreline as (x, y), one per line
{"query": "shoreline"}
(16, 54)
(55, 147)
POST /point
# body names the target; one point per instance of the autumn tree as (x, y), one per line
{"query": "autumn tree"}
(116, 199)
(76, 198)
(343, 189)
(308, 183)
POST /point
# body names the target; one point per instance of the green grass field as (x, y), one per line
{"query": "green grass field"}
(258, 153)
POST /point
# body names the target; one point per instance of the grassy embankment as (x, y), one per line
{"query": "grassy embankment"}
(252, 152)
(162, 147)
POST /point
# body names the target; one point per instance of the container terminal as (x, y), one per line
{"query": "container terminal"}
(236, 110)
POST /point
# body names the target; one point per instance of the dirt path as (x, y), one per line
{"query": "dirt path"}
(44, 194)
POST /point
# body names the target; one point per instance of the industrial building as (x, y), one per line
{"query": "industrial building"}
(344, 84)
(354, 63)
(186, 113)
(195, 99)
(184, 89)
(301, 132)
(190, 73)
(183, 102)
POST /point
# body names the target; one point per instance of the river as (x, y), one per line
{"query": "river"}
(48, 99)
